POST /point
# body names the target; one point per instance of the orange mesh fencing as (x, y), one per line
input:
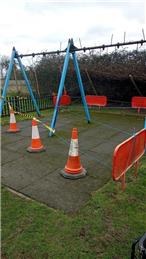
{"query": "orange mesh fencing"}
(64, 100)
(138, 102)
(128, 153)
(94, 100)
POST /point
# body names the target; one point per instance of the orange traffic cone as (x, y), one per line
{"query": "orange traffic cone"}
(36, 145)
(73, 168)
(13, 126)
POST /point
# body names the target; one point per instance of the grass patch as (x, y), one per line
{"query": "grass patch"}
(79, 111)
(5, 119)
(104, 228)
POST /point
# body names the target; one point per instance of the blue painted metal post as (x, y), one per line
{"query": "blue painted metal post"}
(8, 75)
(81, 86)
(28, 84)
(60, 90)
(145, 123)
(145, 129)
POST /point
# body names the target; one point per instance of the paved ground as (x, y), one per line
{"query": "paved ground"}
(38, 175)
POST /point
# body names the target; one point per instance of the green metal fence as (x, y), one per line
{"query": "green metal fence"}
(25, 104)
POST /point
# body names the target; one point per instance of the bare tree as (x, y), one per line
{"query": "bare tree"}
(4, 64)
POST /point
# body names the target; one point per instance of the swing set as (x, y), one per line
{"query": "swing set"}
(60, 99)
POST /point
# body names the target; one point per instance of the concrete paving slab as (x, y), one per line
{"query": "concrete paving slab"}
(10, 137)
(38, 175)
(26, 170)
(9, 156)
(61, 193)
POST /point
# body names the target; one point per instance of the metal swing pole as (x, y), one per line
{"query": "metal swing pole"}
(8, 75)
(145, 123)
(61, 86)
(145, 130)
(28, 84)
(81, 86)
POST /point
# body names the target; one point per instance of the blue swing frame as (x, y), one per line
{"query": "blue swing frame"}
(15, 55)
(70, 49)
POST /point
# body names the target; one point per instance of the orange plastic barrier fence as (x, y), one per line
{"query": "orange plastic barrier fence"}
(94, 100)
(138, 102)
(127, 154)
(64, 100)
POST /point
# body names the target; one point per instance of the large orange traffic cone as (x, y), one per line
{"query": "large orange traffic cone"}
(13, 126)
(73, 168)
(36, 145)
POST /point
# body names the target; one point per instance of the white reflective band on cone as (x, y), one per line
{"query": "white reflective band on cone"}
(35, 132)
(73, 150)
(12, 118)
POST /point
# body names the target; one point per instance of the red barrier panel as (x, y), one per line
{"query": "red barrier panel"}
(94, 100)
(127, 154)
(138, 102)
(64, 100)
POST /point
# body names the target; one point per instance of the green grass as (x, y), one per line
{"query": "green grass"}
(5, 120)
(104, 228)
(77, 108)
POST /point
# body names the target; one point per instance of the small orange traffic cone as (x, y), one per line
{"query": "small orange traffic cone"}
(13, 126)
(36, 145)
(73, 168)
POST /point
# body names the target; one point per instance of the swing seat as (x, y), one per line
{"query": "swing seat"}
(138, 102)
(94, 100)
(65, 100)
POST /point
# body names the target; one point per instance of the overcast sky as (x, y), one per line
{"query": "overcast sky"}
(41, 25)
